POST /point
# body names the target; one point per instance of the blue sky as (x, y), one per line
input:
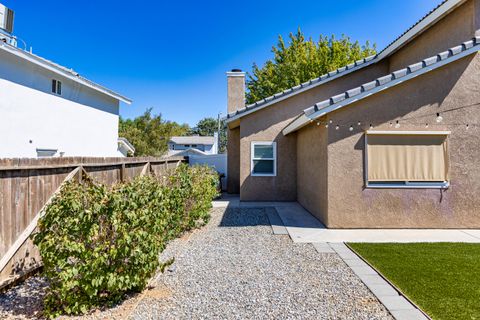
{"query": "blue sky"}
(173, 55)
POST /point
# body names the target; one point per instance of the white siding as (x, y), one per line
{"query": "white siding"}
(80, 122)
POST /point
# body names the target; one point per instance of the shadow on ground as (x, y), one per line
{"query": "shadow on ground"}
(244, 217)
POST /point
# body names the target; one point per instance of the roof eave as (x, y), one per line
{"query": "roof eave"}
(304, 119)
(31, 58)
(420, 27)
(426, 22)
(293, 93)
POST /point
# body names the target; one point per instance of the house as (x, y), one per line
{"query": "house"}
(193, 145)
(49, 110)
(391, 141)
(125, 147)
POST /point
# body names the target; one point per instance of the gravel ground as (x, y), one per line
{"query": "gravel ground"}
(234, 268)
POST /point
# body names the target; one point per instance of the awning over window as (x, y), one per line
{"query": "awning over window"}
(407, 157)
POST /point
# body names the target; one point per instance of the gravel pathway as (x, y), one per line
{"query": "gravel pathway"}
(233, 268)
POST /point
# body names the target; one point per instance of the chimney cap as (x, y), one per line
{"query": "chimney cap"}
(236, 70)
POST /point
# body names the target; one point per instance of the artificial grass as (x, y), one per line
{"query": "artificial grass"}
(441, 278)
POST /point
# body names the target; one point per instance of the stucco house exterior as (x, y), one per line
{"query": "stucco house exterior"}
(50, 110)
(193, 145)
(391, 141)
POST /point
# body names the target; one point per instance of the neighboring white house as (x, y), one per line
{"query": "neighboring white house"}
(125, 147)
(193, 145)
(50, 110)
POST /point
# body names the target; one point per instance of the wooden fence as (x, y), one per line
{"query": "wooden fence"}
(26, 187)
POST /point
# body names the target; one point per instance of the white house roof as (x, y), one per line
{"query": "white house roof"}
(423, 24)
(124, 142)
(322, 108)
(60, 70)
(186, 152)
(206, 140)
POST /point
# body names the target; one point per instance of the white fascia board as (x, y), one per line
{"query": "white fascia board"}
(304, 120)
(300, 122)
(286, 96)
(423, 25)
(57, 70)
(406, 132)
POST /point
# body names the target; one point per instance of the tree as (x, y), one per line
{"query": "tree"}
(149, 133)
(300, 61)
(208, 126)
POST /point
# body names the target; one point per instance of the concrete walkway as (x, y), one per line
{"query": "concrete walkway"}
(303, 227)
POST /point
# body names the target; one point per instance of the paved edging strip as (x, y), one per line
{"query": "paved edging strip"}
(275, 221)
(394, 301)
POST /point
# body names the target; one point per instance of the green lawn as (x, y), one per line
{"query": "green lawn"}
(441, 278)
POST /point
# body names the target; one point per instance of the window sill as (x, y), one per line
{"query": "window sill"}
(409, 185)
(263, 175)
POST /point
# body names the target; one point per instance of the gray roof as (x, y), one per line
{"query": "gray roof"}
(206, 140)
(434, 15)
(305, 86)
(61, 70)
(353, 95)
(451, 3)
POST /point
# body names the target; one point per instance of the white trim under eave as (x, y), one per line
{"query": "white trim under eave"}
(406, 132)
(38, 61)
(423, 25)
(294, 126)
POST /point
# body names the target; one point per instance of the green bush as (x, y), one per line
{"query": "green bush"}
(97, 244)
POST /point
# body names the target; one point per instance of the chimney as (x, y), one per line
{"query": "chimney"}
(235, 90)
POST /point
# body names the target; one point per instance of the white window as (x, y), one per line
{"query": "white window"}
(407, 159)
(264, 159)
(57, 87)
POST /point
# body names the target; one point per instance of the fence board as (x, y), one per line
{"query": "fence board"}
(27, 184)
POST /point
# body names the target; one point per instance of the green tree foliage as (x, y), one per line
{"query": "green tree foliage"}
(97, 244)
(301, 60)
(149, 133)
(208, 126)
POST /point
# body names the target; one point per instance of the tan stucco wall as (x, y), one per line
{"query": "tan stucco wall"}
(267, 125)
(455, 28)
(453, 91)
(312, 170)
(233, 160)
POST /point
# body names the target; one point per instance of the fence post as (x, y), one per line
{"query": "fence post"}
(122, 173)
(80, 174)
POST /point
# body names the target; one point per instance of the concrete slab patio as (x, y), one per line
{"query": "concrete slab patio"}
(305, 228)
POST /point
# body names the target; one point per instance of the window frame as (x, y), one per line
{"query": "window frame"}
(252, 158)
(402, 184)
(57, 87)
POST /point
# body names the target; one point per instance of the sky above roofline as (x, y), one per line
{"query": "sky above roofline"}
(173, 56)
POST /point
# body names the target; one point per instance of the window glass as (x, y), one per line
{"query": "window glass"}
(263, 152)
(263, 166)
